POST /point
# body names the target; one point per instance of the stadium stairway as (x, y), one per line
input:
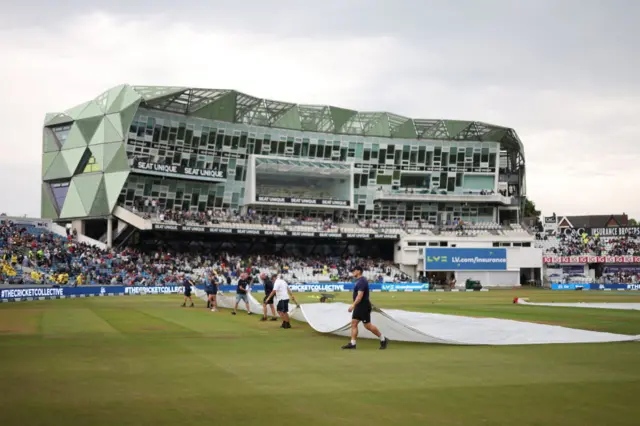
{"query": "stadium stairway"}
(132, 218)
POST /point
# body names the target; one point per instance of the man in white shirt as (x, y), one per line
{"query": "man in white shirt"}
(282, 291)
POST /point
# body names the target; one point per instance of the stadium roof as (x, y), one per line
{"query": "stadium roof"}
(237, 107)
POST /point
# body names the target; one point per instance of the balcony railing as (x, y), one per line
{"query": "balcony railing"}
(463, 197)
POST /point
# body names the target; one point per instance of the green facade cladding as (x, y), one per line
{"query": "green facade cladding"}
(85, 164)
(84, 161)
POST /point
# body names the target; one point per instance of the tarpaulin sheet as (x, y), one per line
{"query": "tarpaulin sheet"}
(398, 325)
(603, 305)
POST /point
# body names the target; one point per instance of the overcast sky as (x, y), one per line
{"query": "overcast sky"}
(565, 74)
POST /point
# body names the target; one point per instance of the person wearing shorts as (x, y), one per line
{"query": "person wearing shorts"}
(361, 311)
(212, 292)
(187, 284)
(241, 293)
(268, 288)
(282, 291)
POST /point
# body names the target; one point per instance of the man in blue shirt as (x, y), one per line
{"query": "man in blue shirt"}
(361, 309)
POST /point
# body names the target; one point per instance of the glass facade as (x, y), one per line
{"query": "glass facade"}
(200, 149)
(382, 166)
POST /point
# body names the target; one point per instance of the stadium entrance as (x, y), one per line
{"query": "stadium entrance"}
(274, 181)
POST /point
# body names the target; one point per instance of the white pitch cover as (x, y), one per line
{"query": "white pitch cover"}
(405, 326)
(605, 305)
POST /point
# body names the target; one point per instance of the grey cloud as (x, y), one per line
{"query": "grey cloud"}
(563, 73)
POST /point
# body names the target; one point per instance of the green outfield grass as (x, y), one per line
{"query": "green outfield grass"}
(143, 360)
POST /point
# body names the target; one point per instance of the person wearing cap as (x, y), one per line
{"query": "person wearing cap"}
(361, 310)
(187, 284)
(241, 293)
(268, 288)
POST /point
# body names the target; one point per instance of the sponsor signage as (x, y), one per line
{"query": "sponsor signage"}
(595, 287)
(19, 293)
(14, 294)
(550, 220)
(465, 259)
(173, 170)
(627, 269)
(570, 286)
(619, 231)
(272, 233)
(556, 260)
(170, 289)
(404, 287)
(622, 231)
(615, 286)
(294, 200)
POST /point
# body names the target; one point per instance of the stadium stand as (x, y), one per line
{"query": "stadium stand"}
(36, 255)
(577, 245)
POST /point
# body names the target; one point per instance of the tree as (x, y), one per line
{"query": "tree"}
(530, 209)
(633, 222)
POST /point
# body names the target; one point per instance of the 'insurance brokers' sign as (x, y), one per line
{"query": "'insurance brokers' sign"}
(465, 259)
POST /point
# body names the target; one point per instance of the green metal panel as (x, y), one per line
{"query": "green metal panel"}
(47, 204)
(115, 98)
(116, 161)
(58, 169)
(73, 206)
(454, 127)
(98, 152)
(106, 133)
(101, 101)
(72, 158)
(47, 160)
(405, 130)
(49, 116)
(113, 185)
(379, 126)
(495, 135)
(111, 134)
(88, 126)
(340, 116)
(57, 119)
(155, 92)
(436, 130)
(98, 136)
(87, 187)
(289, 120)
(223, 109)
(116, 124)
(126, 116)
(75, 139)
(49, 141)
(74, 112)
(100, 205)
(129, 97)
(92, 110)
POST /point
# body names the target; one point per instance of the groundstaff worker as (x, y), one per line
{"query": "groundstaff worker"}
(241, 293)
(187, 284)
(361, 309)
(212, 292)
(282, 291)
(268, 288)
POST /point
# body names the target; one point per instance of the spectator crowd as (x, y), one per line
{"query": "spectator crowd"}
(583, 244)
(31, 255)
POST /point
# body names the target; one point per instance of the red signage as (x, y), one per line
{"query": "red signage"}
(590, 259)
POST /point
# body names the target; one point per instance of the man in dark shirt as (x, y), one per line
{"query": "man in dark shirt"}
(241, 293)
(361, 309)
(268, 288)
(187, 284)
